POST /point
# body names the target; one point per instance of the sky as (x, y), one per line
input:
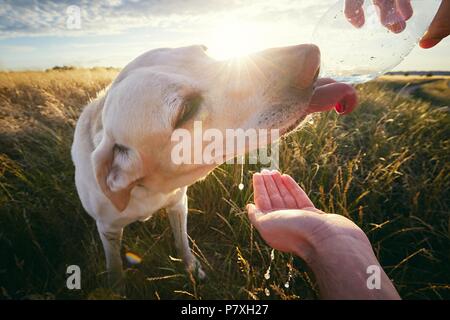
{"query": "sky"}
(42, 34)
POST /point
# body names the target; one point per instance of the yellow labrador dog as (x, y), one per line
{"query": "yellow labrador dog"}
(122, 146)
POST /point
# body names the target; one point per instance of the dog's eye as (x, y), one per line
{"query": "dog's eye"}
(188, 109)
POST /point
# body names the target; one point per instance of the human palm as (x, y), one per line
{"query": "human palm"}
(288, 221)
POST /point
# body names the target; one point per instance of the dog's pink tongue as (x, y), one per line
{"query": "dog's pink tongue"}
(339, 96)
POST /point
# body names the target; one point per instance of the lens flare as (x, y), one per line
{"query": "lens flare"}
(133, 258)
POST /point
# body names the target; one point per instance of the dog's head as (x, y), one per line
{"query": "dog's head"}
(168, 90)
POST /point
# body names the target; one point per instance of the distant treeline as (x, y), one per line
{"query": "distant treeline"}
(419, 73)
(65, 68)
(394, 73)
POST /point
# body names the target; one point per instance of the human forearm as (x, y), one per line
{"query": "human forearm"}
(343, 265)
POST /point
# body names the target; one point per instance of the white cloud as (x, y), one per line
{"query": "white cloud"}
(28, 18)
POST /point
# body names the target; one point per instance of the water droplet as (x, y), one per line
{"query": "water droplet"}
(241, 184)
(287, 285)
(267, 274)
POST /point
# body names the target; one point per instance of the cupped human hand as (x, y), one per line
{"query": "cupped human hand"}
(288, 221)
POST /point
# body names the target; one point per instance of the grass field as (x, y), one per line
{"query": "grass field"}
(386, 166)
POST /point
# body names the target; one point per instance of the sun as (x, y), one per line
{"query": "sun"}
(232, 39)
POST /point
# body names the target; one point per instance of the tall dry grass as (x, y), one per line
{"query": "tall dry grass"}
(386, 167)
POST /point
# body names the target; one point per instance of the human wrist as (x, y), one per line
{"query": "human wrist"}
(342, 265)
(334, 247)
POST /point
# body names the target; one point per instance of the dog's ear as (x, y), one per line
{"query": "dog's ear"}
(117, 170)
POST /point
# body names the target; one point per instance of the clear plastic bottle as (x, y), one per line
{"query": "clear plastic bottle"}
(357, 55)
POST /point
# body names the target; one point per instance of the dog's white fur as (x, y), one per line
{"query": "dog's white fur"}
(122, 143)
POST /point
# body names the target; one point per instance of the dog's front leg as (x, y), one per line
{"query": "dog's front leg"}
(112, 239)
(178, 221)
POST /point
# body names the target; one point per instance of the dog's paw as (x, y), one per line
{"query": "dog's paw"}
(200, 274)
(195, 268)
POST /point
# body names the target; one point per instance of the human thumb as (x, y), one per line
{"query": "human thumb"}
(439, 28)
(253, 213)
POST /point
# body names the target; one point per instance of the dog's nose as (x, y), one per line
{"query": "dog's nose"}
(308, 65)
(299, 63)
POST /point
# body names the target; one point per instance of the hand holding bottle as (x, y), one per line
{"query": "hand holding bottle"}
(394, 15)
